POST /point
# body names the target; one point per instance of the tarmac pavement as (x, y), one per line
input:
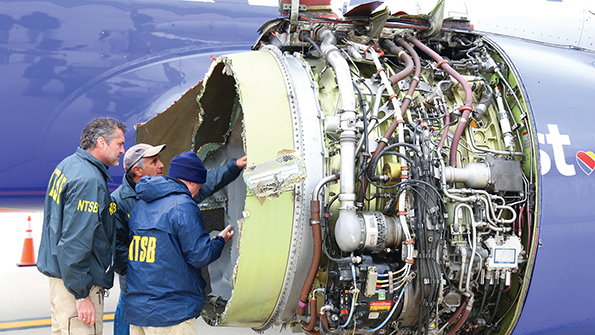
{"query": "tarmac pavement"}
(25, 291)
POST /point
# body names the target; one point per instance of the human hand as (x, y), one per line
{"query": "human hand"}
(86, 311)
(242, 162)
(227, 233)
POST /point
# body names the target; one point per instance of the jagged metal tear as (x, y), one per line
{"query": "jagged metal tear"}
(273, 177)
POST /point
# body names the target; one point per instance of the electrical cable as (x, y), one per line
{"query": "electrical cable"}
(392, 311)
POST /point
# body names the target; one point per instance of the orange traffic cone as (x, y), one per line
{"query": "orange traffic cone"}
(28, 256)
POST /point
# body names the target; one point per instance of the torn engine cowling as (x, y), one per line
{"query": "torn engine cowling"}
(392, 186)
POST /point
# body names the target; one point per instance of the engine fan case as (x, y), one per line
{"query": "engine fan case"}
(282, 131)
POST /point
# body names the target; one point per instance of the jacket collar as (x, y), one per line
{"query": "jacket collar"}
(152, 188)
(91, 159)
(127, 189)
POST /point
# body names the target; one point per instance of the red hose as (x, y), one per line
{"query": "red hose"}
(521, 218)
(402, 74)
(317, 244)
(395, 50)
(415, 80)
(310, 326)
(457, 312)
(324, 322)
(405, 57)
(463, 318)
(467, 108)
(445, 133)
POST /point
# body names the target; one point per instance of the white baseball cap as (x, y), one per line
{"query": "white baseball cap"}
(138, 151)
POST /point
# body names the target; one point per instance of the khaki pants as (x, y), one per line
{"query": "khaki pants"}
(187, 327)
(64, 314)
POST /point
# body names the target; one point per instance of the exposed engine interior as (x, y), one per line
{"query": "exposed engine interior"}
(420, 213)
(428, 227)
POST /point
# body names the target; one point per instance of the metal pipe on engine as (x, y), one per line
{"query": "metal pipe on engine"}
(488, 150)
(473, 175)
(504, 122)
(445, 187)
(491, 215)
(347, 228)
(463, 252)
(473, 248)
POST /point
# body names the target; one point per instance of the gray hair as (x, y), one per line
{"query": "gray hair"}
(101, 127)
(140, 164)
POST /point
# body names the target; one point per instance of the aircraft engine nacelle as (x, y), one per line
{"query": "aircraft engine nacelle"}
(391, 185)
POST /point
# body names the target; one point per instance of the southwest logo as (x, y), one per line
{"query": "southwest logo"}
(586, 160)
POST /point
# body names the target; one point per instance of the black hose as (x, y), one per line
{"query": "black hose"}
(305, 35)
(500, 289)
(365, 121)
(384, 152)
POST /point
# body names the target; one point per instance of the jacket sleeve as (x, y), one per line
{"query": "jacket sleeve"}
(217, 179)
(198, 248)
(121, 219)
(81, 219)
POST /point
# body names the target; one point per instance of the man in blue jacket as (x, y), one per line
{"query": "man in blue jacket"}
(78, 237)
(144, 160)
(169, 245)
(140, 160)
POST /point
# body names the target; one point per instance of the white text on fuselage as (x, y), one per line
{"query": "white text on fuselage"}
(585, 160)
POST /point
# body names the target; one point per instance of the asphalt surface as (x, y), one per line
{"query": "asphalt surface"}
(25, 291)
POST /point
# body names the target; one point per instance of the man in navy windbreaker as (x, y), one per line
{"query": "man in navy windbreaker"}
(144, 160)
(169, 245)
(78, 237)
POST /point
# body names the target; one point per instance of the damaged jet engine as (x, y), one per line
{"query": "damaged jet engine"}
(392, 178)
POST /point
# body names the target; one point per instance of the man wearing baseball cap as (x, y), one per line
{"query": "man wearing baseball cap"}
(139, 160)
(169, 245)
(143, 160)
